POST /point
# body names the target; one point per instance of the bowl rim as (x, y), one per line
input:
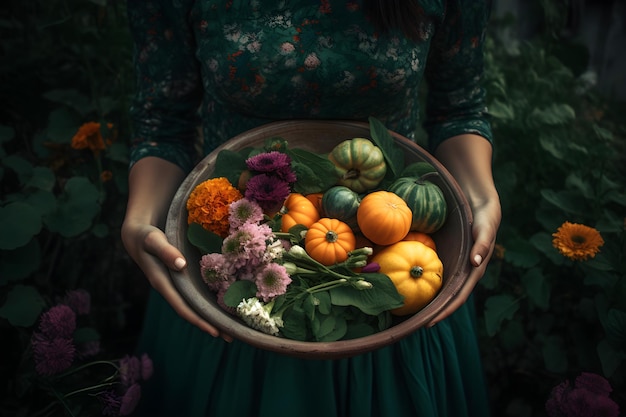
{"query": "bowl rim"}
(199, 298)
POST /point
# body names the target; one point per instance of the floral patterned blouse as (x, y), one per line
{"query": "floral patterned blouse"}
(235, 64)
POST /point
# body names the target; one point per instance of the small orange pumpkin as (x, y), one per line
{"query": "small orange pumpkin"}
(316, 199)
(383, 217)
(297, 209)
(415, 270)
(329, 241)
(425, 238)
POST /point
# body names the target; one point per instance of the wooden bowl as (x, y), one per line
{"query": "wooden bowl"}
(453, 241)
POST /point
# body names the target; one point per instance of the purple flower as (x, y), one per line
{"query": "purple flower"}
(59, 321)
(130, 399)
(130, 370)
(286, 174)
(244, 211)
(584, 403)
(147, 368)
(593, 383)
(79, 301)
(52, 356)
(268, 191)
(268, 161)
(111, 402)
(371, 267)
(271, 280)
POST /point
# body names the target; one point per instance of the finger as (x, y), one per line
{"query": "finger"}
(157, 244)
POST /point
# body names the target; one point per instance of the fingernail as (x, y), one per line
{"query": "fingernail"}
(478, 259)
(180, 263)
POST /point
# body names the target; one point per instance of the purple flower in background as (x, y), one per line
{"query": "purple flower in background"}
(130, 399)
(268, 161)
(130, 370)
(589, 397)
(147, 368)
(271, 280)
(268, 191)
(52, 355)
(59, 321)
(110, 403)
(79, 301)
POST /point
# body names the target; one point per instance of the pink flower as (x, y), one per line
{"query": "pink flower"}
(244, 211)
(52, 356)
(111, 402)
(271, 280)
(79, 301)
(130, 399)
(594, 383)
(147, 368)
(246, 246)
(589, 397)
(268, 191)
(59, 321)
(216, 270)
(130, 370)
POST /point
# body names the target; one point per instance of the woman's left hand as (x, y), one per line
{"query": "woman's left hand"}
(468, 158)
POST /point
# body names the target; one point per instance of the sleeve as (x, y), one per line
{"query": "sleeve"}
(164, 110)
(454, 73)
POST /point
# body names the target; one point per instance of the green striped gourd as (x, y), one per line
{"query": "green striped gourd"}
(425, 199)
(359, 164)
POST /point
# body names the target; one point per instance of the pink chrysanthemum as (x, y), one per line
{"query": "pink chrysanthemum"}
(59, 321)
(268, 161)
(267, 190)
(216, 270)
(594, 383)
(272, 280)
(79, 301)
(247, 245)
(130, 399)
(244, 211)
(52, 356)
(130, 370)
(589, 397)
(147, 367)
(111, 402)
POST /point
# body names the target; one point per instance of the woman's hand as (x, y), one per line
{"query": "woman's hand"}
(468, 158)
(152, 183)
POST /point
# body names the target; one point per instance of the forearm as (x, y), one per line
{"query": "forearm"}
(152, 184)
(468, 157)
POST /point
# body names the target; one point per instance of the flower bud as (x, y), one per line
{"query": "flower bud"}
(367, 251)
(298, 251)
(371, 267)
(362, 285)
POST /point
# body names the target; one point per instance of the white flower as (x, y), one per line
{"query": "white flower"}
(257, 315)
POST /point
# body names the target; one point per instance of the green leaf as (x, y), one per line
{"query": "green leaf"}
(62, 125)
(315, 173)
(71, 98)
(7, 133)
(499, 308)
(571, 202)
(19, 222)
(521, 253)
(230, 164)
(19, 263)
(22, 306)
(554, 355)
(610, 357)
(501, 110)
(537, 287)
(615, 327)
(238, 291)
(42, 178)
(332, 328)
(295, 323)
(20, 166)
(381, 297)
(555, 114)
(542, 241)
(383, 139)
(205, 240)
(77, 207)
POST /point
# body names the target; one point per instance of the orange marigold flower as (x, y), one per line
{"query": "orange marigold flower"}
(89, 137)
(577, 241)
(499, 251)
(106, 175)
(208, 204)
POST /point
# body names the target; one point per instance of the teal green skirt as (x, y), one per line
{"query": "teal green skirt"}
(434, 372)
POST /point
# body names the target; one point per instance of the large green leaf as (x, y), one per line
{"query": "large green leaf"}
(381, 297)
(22, 306)
(610, 357)
(77, 207)
(383, 139)
(499, 308)
(19, 222)
(19, 263)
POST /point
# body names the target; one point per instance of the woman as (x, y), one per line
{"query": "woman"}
(246, 63)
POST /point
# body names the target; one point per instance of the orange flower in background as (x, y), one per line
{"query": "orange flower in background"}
(208, 204)
(106, 175)
(89, 136)
(577, 241)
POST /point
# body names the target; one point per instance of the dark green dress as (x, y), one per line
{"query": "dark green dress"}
(233, 65)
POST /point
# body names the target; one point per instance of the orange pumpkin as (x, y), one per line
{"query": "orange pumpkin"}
(425, 238)
(329, 241)
(415, 270)
(316, 199)
(297, 209)
(383, 217)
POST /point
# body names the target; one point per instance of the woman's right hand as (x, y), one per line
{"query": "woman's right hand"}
(152, 183)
